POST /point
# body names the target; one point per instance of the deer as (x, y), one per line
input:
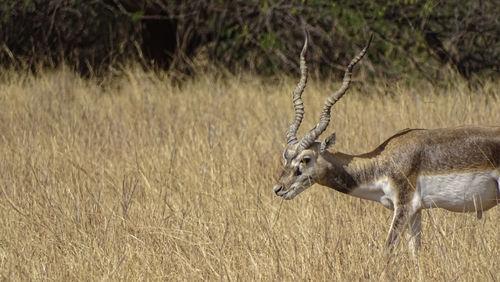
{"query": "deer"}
(457, 169)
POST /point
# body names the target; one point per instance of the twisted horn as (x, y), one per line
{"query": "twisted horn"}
(314, 133)
(298, 105)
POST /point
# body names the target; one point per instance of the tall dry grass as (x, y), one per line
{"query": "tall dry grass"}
(139, 179)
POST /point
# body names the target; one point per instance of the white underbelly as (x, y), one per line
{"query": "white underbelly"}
(460, 192)
(380, 191)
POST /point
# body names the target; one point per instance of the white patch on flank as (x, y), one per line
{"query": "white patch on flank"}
(459, 192)
(380, 191)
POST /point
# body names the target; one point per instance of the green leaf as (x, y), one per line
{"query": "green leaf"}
(135, 17)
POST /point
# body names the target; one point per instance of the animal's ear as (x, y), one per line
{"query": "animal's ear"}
(329, 142)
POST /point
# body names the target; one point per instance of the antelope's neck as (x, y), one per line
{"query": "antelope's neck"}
(345, 172)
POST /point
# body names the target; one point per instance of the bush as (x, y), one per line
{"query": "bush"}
(261, 36)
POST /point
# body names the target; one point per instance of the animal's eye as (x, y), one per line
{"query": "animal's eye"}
(306, 160)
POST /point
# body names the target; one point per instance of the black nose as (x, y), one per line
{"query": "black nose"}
(277, 188)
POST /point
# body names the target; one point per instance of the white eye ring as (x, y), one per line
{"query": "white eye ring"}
(306, 160)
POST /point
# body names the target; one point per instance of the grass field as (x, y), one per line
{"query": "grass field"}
(136, 178)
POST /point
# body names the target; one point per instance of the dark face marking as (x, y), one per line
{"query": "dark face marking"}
(299, 172)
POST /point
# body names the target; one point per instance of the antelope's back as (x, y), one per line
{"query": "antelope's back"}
(459, 149)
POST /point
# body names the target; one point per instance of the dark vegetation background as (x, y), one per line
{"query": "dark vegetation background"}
(95, 36)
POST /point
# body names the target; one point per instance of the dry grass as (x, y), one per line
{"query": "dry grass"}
(142, 180)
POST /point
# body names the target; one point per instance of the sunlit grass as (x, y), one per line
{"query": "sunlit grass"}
(139, 178)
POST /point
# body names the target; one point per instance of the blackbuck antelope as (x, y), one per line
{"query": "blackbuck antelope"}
(457, 169)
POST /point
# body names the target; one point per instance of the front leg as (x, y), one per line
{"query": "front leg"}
(397, 225)
(402, 209)
(416, 232)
